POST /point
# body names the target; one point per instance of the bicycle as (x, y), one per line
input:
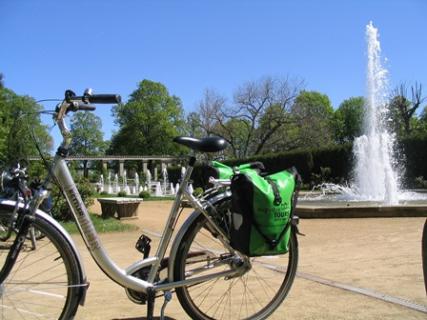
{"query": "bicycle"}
(209, 277)
(13, 184)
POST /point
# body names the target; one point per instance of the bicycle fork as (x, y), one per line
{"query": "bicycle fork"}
(16, 247)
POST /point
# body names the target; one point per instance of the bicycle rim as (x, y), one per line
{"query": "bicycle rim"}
(43, 283)
(253, 295)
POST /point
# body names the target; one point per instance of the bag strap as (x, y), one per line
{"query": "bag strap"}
(277, 201)
(277, 197)
(272, 242)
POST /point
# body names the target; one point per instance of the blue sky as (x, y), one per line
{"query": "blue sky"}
(49, 46)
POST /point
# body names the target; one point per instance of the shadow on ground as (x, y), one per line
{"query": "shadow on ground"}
(143, 318)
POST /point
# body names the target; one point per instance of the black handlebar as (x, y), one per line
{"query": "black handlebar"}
(77, 103)
(104, 98)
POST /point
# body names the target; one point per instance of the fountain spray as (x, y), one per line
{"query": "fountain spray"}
(374, 175)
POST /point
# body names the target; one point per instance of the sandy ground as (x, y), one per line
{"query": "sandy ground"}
(383, 255)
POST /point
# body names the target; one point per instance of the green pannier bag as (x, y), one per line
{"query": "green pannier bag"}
(218, 170)
(221, 171)
(262, 210)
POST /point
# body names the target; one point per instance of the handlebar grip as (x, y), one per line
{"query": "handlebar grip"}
(104, 98)
(86, 107)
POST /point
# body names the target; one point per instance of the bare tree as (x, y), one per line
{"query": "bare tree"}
(404, 107)
(260, 108)
(210, 110)
(214, 121)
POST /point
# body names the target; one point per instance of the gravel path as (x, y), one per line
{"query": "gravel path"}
(378, 255)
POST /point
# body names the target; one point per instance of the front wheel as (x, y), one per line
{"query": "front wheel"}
(44, 282)
(254, 294)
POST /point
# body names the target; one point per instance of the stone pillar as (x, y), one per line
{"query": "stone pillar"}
(155, 172)
(163, 165)
(144, 166)
(121, 167)
(104, 166)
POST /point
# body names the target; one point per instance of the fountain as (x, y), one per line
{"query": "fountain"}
(101, 184)
(148, 180)
(137, 183)
(116, 183)
(375, 177)
(109, 187)
(125, 183)
(375, 190)
(158, 192)
(165, 179)
(183, 170)
(190, 188)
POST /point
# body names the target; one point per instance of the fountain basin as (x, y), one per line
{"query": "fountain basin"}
(320, 209)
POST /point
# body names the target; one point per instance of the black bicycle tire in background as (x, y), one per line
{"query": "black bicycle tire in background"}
(43, 283)
(424, 253)
(266, 265)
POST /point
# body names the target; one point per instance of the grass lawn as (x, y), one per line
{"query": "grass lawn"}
(101, 225)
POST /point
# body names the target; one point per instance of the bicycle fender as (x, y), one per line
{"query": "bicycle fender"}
(187, 223)
(10, 205)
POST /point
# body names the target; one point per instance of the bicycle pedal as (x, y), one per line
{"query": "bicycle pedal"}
(143, 245)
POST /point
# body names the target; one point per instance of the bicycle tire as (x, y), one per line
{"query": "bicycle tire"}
(4, 226)
(45, 281)
(254, 295)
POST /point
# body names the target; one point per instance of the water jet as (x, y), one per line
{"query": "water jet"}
(375, 190)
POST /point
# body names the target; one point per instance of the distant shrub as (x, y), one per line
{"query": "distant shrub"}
(122, 194)
(323, 176)
(420, 182)
(104, 193)
(198, 192)
(144, 194)
(61, 210)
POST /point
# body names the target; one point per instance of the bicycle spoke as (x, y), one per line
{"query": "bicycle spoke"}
(255, 293)
(42, 279)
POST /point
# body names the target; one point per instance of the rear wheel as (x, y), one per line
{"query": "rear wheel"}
(254, 294)
(44, 283)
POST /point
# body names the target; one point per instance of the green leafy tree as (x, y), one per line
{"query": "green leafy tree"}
(194, 125)
(19, 118)
(419, 124)
(348, 119)
(87, 136)
(403, 108)
(313, 113)
(148, 122)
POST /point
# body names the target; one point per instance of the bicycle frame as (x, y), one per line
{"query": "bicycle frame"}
(81, 216)
(100, 255)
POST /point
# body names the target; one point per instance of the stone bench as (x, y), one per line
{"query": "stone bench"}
(121, 208)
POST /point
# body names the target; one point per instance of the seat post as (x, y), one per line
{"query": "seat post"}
(171, 222)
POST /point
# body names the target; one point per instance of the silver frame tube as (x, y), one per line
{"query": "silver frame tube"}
(88, 232)
(123, 276)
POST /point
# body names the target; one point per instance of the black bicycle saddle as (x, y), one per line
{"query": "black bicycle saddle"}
(208, 144)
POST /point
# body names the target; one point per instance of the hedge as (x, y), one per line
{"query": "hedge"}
(339, 158)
